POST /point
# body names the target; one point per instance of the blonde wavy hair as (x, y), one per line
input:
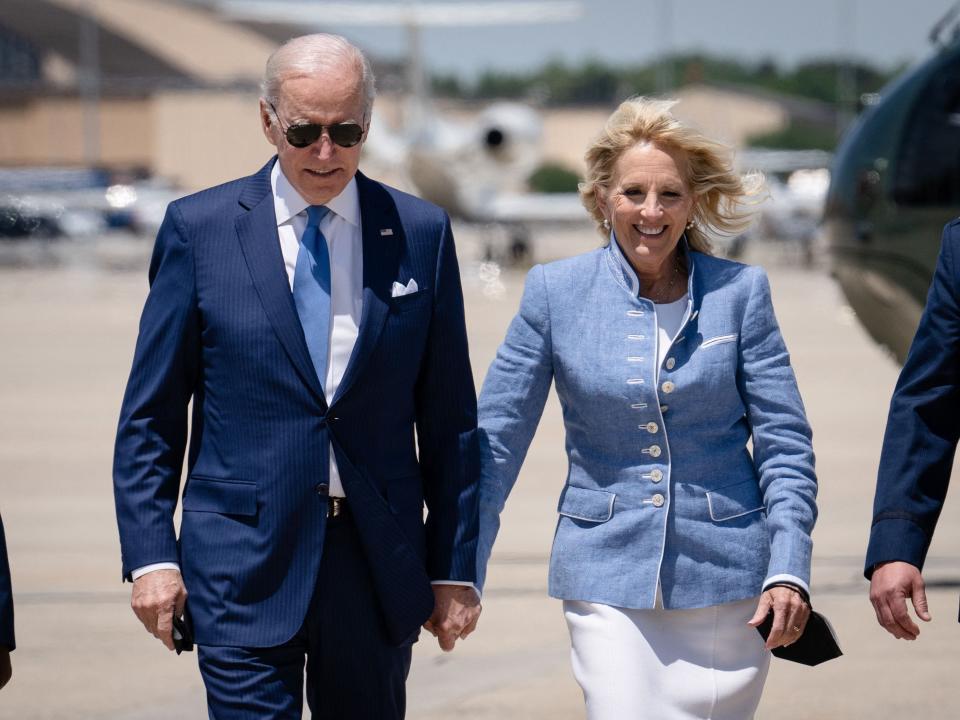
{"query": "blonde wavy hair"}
(724, 198)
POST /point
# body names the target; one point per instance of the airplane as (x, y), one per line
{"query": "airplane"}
(895, 183)
(796, 184)
(475, 170)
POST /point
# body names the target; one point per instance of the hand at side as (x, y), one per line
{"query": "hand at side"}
(156, 597)
(790, 615)
(890, 586)
(456, 610)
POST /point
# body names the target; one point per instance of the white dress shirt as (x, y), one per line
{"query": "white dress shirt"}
(342, 230)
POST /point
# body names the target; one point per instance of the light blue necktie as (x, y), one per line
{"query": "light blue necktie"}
(311, 290)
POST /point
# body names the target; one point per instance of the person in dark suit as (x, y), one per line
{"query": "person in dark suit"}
(918, 448)
(314, 318)
(7, 641)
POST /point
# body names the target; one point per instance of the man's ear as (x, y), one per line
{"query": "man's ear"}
(267, 123)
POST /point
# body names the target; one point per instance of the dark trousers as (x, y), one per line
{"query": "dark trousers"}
(352, 673)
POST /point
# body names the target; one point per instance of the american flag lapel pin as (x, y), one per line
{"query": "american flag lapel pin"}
(384, 232)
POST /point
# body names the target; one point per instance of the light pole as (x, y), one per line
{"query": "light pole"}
(89, 81)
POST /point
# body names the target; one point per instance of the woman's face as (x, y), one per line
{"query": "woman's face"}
(648, 203)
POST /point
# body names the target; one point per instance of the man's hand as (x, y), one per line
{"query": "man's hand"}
(156, 597)
(6, 672)
(456, 610)
(890, 586)
(790, 615)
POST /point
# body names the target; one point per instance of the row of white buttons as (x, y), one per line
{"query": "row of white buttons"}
(655, 475)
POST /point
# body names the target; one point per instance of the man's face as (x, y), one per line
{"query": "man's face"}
(320, 171)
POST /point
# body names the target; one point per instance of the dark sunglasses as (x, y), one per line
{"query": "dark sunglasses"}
(345, 134)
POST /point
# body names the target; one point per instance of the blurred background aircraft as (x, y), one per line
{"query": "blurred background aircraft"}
(476, 169)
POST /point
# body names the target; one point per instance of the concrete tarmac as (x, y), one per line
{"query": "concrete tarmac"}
(66, 340)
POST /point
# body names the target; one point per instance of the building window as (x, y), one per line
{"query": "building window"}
(19, 61)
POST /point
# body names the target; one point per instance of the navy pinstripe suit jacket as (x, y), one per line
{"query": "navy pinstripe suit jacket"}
(6, 596)
(923, 425)
(220, 329)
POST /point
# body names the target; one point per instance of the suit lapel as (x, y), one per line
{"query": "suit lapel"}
(257, 232)
(381, 257)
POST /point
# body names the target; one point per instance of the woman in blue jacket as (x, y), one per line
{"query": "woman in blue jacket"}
(673, 538)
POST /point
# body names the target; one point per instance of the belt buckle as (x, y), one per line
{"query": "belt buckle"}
(335, 507)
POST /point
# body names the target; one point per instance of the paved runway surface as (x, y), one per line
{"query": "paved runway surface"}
(66, 339)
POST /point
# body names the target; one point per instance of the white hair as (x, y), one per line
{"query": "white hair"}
(309, 54)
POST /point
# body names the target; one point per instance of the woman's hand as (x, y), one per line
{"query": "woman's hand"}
(790, 615)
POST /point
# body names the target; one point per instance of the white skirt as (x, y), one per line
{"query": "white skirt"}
(705, 663)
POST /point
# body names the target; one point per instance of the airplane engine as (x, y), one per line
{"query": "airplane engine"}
(509, 135)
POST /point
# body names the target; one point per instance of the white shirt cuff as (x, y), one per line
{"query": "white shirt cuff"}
(784, 577)
(141, 571)
(462, 583)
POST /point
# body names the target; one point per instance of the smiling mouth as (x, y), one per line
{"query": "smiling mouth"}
(323, 173)
(653, 232)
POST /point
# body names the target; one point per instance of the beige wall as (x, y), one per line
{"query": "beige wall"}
(51, 132)
(728, 116)
(568, 132)
(206, 138)
(200, 43)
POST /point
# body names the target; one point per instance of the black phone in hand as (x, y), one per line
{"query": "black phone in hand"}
(182, 635)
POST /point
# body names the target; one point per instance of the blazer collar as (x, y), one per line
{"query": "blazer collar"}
(257, 234)
(627, 276)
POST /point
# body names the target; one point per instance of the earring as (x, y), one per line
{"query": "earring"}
(690, 224)
(606, 224)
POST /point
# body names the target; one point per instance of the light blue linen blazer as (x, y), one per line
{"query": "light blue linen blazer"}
(661, 481)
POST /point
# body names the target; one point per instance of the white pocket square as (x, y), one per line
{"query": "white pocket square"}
(408, 289)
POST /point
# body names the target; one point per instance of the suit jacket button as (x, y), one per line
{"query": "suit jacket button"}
(667, 387)
(654, 451)
(658, 500)
(656, 475)
(652, 427)
(671, 363)
(322, 489)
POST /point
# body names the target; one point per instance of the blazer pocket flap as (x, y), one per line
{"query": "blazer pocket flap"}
(230, 497)
(734, 501)
(719, 339)
(583, 504)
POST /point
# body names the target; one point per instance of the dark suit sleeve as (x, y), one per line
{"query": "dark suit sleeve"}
(923, 425)
(7, 639)
(447, 429)
(152, 432)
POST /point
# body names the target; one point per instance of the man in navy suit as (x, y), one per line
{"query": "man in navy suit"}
(314, 318)
(918, 449)
(7, 642)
